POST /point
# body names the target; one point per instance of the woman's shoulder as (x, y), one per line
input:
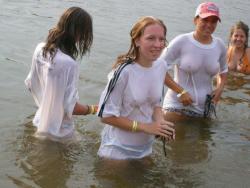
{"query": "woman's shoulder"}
(39, 47)
(64, 59)
(248, 53)
(219, 41)
(182, 37)
(248, 50)
(122, 70)
(161, 63)
(178, 41)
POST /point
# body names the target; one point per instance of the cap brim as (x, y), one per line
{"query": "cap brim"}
(209, 14)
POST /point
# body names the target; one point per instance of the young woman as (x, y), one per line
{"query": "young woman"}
(132, 112)
(238, 52)
(198, 57)
(53, 77)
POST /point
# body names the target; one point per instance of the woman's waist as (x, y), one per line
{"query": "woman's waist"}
(123, 138)
(198, 95)
(171, 101)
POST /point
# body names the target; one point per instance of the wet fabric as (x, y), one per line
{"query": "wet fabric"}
(53, 86)
(195, 66)
(137, 91)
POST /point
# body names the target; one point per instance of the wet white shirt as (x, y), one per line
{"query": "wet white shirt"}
(136, 93)
(54, 89)
(196, 65)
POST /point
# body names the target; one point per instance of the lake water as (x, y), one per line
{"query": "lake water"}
(205, 154)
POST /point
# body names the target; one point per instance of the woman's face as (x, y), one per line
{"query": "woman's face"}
(238, 38)
(151, 43)
(206, 26)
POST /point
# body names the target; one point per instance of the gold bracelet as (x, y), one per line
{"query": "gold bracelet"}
(92, 109)
(134, 126)
(181, 93)
(87, 109)
(95, 109)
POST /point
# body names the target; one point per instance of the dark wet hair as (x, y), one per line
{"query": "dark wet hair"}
(73, 34)
(135, 33)
(245, 29)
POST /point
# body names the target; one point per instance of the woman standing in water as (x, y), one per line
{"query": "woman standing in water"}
(238, 53)
(131, 110)
(198, 57)
(53, 77)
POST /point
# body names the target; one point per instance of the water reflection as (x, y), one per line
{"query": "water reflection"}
(191, 144)
(187, 153)
(237, 89)
(127, 173)
(190, 147)
(236, 81)
(45, 163)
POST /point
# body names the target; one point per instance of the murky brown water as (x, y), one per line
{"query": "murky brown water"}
(206, 153)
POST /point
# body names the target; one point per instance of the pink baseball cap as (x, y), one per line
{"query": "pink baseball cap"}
(207, 9)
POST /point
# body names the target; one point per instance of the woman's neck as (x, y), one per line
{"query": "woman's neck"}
(202, 38)
(238, 49)
(143, 62)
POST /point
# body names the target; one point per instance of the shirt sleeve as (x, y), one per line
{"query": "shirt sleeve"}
(32, 80)
(223, 58)
(59, 98)
(114, 101)
(172, 52)
(71, 92)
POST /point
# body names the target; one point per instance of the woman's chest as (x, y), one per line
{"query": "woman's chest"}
(192, 61)
(145, 87)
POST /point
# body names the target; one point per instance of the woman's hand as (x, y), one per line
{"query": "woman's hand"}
(161, 128)
(217, 94)
(186, 99)
(221, 81)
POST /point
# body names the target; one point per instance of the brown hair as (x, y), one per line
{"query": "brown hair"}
(245, 29)
(73, 34)
(135, 33)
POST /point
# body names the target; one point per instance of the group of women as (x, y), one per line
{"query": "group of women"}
(131, 106)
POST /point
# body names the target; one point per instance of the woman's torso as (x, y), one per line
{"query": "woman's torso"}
(50, 82)
(143, 92)
(239, 62)
(196, 66)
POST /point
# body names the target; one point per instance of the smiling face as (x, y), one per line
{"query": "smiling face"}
(150, 44)
(238, 38)
(205, 26)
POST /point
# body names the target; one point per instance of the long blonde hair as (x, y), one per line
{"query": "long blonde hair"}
(244, 27)
(135, 33)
